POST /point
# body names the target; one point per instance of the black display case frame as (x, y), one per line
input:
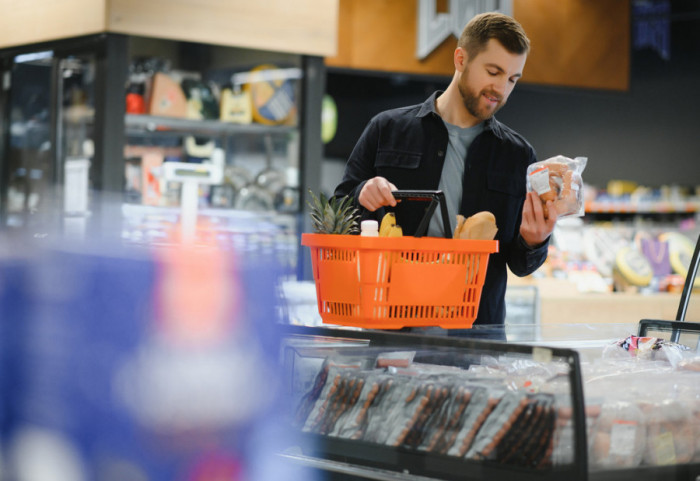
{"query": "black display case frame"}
(345, 459)
(390, 462)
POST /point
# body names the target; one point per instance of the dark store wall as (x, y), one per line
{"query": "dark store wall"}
(649, 134)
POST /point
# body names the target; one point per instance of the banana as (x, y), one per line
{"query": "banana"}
(395, 231)
(388, 221)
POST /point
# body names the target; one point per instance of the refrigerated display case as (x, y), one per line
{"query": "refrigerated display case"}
(386, 406)
(419, 402)
(74, 152)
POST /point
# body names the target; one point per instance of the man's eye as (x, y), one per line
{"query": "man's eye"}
(492, 73)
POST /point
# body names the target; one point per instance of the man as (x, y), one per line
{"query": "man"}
(452, 142)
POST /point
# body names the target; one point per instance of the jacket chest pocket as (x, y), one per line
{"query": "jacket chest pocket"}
(505, 194)
(397, 160)
(398, 167)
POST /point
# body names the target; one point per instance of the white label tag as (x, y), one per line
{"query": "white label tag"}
(75, 191)
(622, 436)
(539, 180)
(541, 354)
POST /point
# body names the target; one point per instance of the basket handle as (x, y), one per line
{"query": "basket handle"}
(435, 197)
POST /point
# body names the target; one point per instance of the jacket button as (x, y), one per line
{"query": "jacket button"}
(440, 153)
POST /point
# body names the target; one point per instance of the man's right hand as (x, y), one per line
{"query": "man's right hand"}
(376, 193)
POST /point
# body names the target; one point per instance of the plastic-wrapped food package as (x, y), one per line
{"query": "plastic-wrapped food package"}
(497, 424)
(619, 436)
(353, 422)
(669, 433)
(683, 388)
(648, 349)
(559, 179)
(691, 362)
(449, 421)
(482, 404)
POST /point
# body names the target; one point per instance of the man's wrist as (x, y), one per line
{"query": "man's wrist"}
(531, 247)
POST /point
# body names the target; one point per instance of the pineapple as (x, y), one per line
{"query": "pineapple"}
(333, 215)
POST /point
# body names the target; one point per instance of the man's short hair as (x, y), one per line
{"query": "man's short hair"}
(486, 26)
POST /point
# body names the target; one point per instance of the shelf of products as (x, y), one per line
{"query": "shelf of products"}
(626, 207)
(237, 116)
(123, 105)
(624, 197)
(137, 124)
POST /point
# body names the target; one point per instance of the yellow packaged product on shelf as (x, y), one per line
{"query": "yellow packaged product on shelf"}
(680, 253)
(633, 267)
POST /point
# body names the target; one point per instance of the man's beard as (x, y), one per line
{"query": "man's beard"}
(471, 101)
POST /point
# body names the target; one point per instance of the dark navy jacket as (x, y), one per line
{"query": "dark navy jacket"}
(407, 146)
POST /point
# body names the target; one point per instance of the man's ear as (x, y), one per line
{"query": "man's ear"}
(460, 59)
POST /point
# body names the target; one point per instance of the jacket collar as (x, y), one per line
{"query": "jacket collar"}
(428, 107)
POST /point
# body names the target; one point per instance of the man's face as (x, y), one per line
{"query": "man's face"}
(488, 79)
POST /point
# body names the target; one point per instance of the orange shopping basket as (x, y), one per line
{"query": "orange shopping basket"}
(395, 282)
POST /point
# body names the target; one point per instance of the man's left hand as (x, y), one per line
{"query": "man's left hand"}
(534, 228)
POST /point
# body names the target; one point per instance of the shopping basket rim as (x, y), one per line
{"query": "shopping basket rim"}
(406, 243)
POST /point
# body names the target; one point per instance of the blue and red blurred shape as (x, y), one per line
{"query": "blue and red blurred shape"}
(154, 365)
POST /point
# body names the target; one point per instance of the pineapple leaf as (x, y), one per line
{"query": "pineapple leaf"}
(333, 215)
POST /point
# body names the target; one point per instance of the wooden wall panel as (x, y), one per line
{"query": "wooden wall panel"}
(575, 43)
(381, 35)
(31, 21)
(291, 26)
(299, 26)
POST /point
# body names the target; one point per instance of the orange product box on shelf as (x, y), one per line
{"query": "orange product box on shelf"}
(396, 282)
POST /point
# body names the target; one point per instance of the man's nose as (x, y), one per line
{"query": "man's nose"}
(500, 86)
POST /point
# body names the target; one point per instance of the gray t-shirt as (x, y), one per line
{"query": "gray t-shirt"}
(459, 140)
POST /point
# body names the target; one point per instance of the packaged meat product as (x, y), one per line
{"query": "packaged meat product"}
(309, 400)
(670, 438)
(410, 416)
(647, 349)
(538, 447)
(353, 421)
(559, 179)
(429, 419)
(483, 401)
(375, 409)
(534, 420)
(619, 436)
(497, 425)
(354, 382)
(690, 363)
(451, 421)
(387, 412)
(334, 386)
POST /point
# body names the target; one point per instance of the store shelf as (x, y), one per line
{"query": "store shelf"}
(680, 207)
(149, 124)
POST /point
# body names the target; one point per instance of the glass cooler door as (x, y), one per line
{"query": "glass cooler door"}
(48, 143)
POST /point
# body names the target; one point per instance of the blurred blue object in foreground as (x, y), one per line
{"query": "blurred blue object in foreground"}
(136, 366)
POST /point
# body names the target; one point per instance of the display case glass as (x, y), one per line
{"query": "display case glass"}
(28, 165)
(93, 119)
(236, 109)
(386, 405)
(443, 408)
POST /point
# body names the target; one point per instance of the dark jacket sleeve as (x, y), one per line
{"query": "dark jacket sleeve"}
(521, 258)
(360, 166)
